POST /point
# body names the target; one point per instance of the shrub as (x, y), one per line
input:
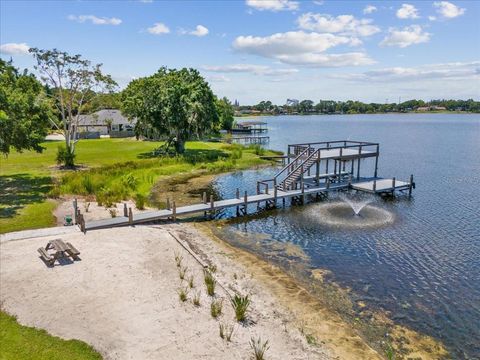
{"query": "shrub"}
(216, 308)
(259, 348)
(129, 181)
(257, 149)
(113, 212)
(65, 156)
(182, 294)
(140, 200)
(88, 185)
(240, 305)
(210, 282)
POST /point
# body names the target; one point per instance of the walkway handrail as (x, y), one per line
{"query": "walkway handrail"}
(292, 163)
(315, 153)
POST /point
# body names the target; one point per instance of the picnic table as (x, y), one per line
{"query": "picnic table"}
(59, 250)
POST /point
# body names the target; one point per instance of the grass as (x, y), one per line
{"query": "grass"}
(182, 271)
(226, 331)
(210, 282)
(240, 305)
(183, 294)
(259, 348)
(196, 299)
(27, 179)
(216, 307)
(191, 282)
(21, 343)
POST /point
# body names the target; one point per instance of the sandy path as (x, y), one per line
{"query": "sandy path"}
(122, 298)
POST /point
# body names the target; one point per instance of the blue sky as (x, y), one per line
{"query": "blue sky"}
(256, 50)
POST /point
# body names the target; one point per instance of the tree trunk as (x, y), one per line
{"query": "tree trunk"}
(180, 146)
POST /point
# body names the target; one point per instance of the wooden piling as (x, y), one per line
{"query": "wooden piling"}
(204, 197)
(130, 216)
(410, 186)
(174, 211)
(75, 207)
(125, 210)
(168, 204)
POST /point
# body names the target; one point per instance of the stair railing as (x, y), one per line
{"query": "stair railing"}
(314, 154)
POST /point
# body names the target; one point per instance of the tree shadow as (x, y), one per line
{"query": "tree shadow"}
(20, 190)
(192, 156)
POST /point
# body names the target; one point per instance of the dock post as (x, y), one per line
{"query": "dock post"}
(358, 164)
(374, 186)
(335, 168)
(326, 167)
(245, 199)
(212, 205)
(130, 216)
(376, 160)
(75, 207)
(349, 180)
(237, 193)
(303, 191)
(81, 221)
(275, 192)
(174, 211)
(168, 204)
(410, 186)
(393, 184)
(327, 183)
(204, 198)
(125, 210)
(317, 172)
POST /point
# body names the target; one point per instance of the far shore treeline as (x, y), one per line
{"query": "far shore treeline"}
(171, 105)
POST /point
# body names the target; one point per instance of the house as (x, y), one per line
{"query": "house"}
(105, 122)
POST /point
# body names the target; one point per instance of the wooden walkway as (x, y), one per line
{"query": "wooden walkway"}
(383, 185)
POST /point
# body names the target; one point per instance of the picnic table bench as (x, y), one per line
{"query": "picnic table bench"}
(61, 250)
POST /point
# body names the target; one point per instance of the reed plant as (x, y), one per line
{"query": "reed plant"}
(240, 305)
(259, 348)
(210, 282)
(190, 282)
(183, 294)
(196, 299)
(226, 331)
(216, 308)
(182, 272)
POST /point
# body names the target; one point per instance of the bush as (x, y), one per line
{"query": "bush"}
(65, 156)
(240, 305)
(140, 200)
(257, 149)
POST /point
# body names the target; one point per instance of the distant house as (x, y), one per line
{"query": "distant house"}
(423, 108)
(105, 122)
(431, 108)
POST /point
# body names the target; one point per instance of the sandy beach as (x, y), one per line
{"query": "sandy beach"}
(122, 297)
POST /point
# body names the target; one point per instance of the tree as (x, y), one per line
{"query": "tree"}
(24, 110)
(73, 82)
(175, 104)
(225, 113)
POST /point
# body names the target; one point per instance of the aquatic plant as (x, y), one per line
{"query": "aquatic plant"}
(259, 348)
(240, 305)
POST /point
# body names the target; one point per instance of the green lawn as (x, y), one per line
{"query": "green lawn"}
(111, 170)
(19, 342)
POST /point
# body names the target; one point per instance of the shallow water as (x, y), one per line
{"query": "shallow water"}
(417, 258)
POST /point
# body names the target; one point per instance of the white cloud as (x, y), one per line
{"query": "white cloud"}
(457, 70)
(343, 24)
(318, 2)
(369, 9)
(448, 10)
(432, 18)
(249, 68)
(273, 5)
(14, 49)
(300, 48)
(407, 36)
(407, 11)
(95, 20)
(200, 30)
(158, 29)
(217, 78)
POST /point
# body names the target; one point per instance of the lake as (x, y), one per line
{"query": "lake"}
(422, 266)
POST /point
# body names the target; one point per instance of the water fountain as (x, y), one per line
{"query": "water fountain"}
(349, 212)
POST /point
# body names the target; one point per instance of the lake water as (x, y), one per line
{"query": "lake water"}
(423, 265)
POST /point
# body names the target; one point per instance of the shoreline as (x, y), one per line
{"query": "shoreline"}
(312, 300)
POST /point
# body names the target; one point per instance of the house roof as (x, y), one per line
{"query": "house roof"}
(99, 117)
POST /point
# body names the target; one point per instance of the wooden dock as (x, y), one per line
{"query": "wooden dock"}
(306, 174)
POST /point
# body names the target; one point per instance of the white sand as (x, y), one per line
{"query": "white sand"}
(122, 297)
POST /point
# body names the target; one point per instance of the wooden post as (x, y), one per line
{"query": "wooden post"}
(350, 180)
(130, 216)
(82, 223)
(212, 204)
(326, 167)
(204, 197)
(75, 207)
(317, 172)
(125, 210)
(335, 169)
(393, 184)
(410, 186)
(275, 192)
(237, 193)
(376, 161)
(174, 211)
(374, 186)
(245, 200)
(258, 188)
(328, 183)
(168, 204)
(358, 164)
